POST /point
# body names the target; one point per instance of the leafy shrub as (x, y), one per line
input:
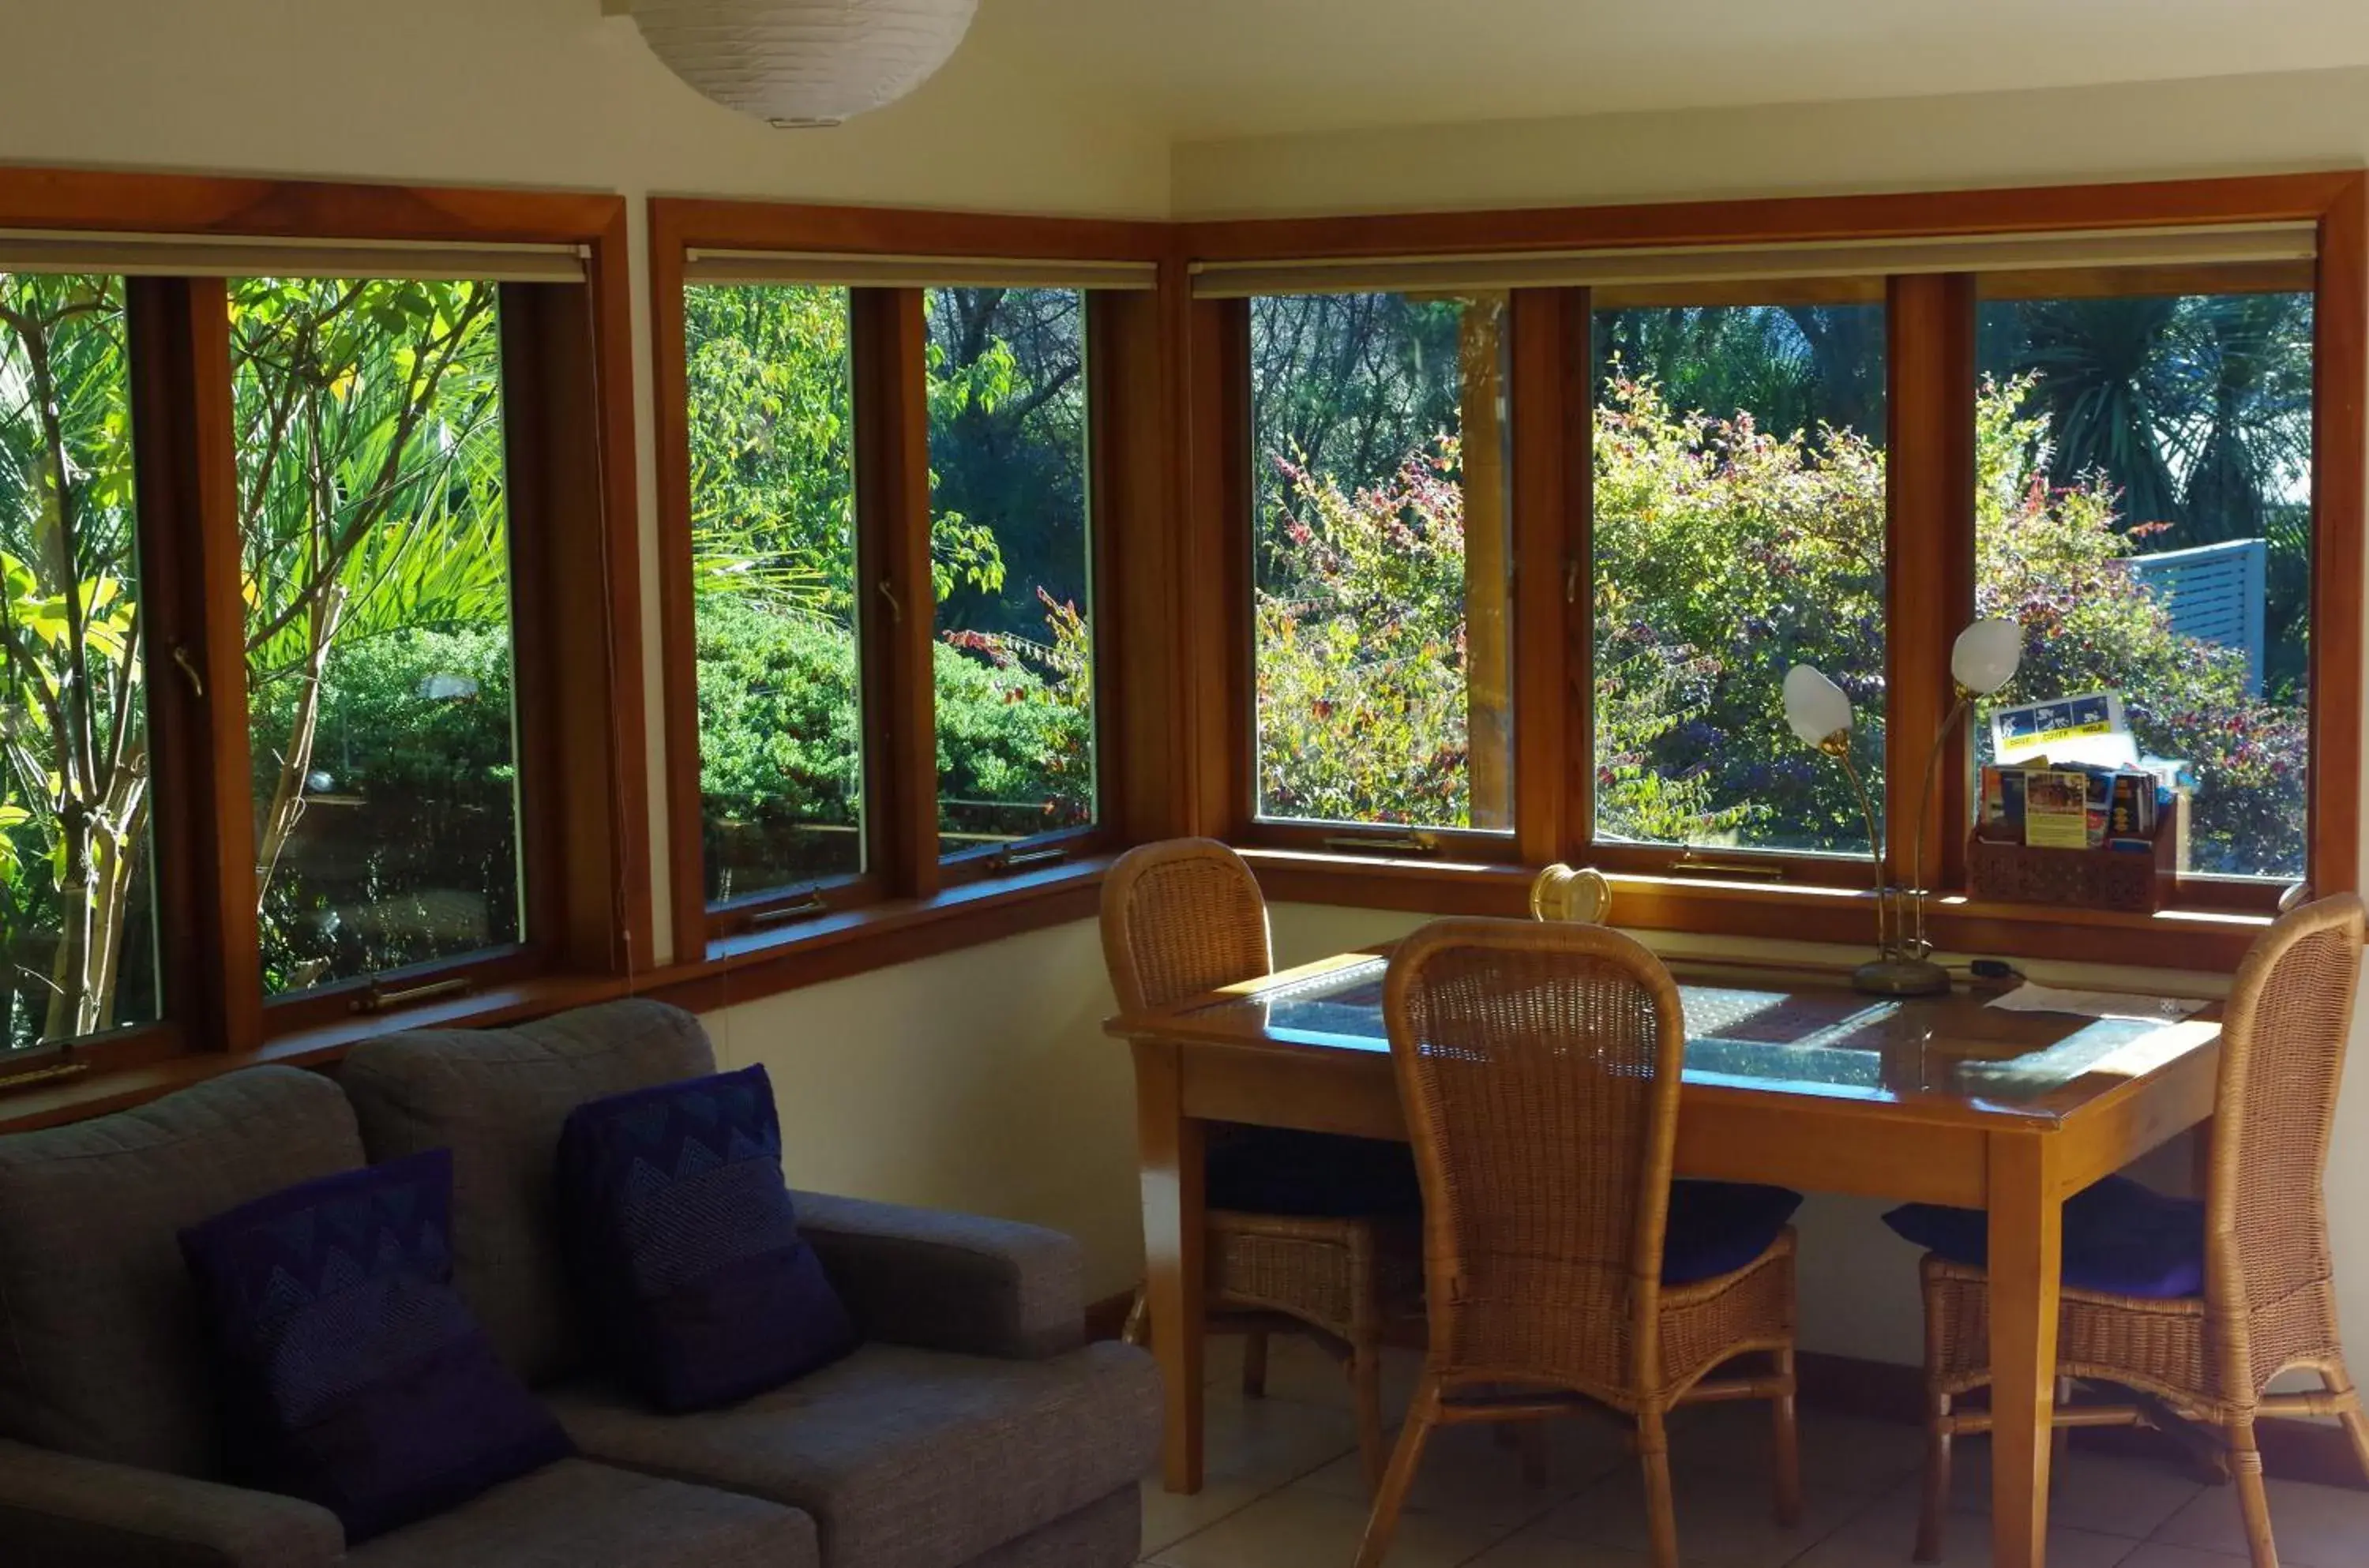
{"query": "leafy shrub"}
(1724, 554)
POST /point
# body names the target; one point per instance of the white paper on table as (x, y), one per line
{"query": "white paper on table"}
(2030, 997)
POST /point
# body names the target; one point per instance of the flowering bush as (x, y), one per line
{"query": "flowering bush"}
(1725, 554)
(1361, 666)
(2055, 559)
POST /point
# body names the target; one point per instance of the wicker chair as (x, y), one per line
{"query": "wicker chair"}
(1186, 917)
(1539, 1064)
(2268, 1304)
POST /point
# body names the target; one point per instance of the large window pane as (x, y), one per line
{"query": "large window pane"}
(2144, 511)
(1739, 530)
(1011, 561)
(1380, 559)
(76, 912)
(375, 539)
(772, 503)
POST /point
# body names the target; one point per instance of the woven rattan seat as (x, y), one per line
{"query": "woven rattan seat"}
(2269, 1305)
(1541, 1069)
(1186, 917)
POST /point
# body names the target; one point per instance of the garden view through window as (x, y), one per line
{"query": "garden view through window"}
(773, 501)
(375, 538)
(1739, 530)
(75, 869)
(1010, 563)
(2144, 510)
(1380, 559)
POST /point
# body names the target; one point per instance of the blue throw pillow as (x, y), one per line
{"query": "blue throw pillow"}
(2121, 1239)
(1716, 1228)
(683, 1242)
(353, 1375)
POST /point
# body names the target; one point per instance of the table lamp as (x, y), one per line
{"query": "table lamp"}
(1984, 659)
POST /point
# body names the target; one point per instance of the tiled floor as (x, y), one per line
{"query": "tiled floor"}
(1283, 1492)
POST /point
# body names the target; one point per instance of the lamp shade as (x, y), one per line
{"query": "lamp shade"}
(804, 61)
(1986, 654)
(1815, 707)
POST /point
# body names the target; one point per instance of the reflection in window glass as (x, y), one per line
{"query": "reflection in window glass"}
(2143, 508)
(1010, 563)
(772, 428)
(375, 549)
(1739, 529)
(1379, 561)
(77, 910)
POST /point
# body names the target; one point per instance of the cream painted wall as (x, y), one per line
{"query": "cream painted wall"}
(2169, 130)
(976, 1081)
(538, 92)
(1857, 1282)
(980, 1079)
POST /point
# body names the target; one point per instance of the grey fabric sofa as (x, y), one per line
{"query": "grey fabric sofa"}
(973, 1428)
(108, 1451)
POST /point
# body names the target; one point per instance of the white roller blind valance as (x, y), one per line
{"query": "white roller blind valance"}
(191, 256)
(1661, 266)
(839, 270)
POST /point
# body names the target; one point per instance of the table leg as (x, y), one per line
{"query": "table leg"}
(1174, 1231)
(2026, 1259)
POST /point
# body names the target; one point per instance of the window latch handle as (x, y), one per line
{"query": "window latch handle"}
(190, 668)
(896, 605)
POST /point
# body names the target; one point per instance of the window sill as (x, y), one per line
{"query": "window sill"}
(102, 1089)
(748, 965)
(736, 969)
(2184, 938)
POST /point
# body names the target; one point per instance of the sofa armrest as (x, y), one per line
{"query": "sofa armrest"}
(941, 1281)
(61, 1509)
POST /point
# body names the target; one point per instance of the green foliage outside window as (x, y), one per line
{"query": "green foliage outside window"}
(75, 797)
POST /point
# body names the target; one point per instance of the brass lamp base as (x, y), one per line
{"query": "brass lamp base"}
(1900, 976)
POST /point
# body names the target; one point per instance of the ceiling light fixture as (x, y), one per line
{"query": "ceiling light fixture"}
(800, 63)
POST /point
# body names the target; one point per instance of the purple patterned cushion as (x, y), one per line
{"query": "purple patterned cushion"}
(353, 1376)
(1716, 1228)
(683, 1242)
(2121, 1239)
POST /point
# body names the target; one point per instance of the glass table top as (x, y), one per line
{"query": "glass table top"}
(1785, 1034)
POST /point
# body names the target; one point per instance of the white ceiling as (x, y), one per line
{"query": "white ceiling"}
(1216, 68)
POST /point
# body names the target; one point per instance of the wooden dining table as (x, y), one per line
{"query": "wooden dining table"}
(1790, 1078)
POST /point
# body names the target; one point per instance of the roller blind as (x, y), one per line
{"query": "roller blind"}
(1663, 266)
(733, 266)
(190, 255)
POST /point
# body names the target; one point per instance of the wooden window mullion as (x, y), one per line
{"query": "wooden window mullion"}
(1220, 618)
(1544, 550)
(1135, 569)
(1929, 564)
(898, 604)
(190, 560)
(2340, 491)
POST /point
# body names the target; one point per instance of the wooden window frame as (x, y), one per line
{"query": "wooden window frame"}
(913, 899)
(1929, 577)
(1225, 463)
(568, 423)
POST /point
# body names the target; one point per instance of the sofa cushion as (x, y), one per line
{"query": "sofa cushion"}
(102, 1348)
(497, 1098)
(685, 1247)
(575, 1515)
(353, 1376)
(906, 1459)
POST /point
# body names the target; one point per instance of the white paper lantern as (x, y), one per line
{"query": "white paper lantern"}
(804, 61)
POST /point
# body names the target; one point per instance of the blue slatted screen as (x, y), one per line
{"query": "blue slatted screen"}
(2214, 593)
